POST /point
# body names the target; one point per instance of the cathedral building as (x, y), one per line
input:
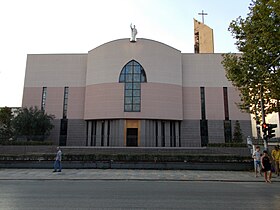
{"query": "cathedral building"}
(136, 92)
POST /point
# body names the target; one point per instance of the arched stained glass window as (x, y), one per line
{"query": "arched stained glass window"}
(132, 75)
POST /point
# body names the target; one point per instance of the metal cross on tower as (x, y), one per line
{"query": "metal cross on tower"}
(202, 14)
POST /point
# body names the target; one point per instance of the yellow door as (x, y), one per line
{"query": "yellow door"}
(132, 133)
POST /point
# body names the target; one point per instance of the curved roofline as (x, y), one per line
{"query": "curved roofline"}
(137, 39)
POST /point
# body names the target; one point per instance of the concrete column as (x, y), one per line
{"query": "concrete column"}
(167, 134)
(106, 132)
(143, 133)
(177, 131)
(89, 128)
(121, 133)
(159, 134)
(98, 133)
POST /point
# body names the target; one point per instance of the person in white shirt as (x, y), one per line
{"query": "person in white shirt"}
(57, 162)
(257, 161)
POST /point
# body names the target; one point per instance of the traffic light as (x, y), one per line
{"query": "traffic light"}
(271, 131)
(264, 128)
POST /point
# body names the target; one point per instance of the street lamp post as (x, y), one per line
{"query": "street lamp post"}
(263, 117)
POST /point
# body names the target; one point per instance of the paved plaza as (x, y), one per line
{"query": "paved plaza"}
(124, 174)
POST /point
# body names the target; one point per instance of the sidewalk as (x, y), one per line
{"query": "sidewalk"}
(123, 174)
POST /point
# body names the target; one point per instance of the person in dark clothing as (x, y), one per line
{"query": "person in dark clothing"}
(266, 166)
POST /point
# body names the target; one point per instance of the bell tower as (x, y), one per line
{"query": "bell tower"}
(203, 36)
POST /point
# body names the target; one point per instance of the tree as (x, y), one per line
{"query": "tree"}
(255, 72)
(6, 116)
(237, 133)
(32, 123)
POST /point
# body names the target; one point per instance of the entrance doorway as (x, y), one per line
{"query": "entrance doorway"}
(132, 137)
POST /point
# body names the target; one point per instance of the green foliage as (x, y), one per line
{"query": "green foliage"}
(6, 130)
(233, 144)
(32, 123)
(255, 72)
(237, 133)
(25, 143)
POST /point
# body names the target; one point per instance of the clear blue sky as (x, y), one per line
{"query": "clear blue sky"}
(78, 26)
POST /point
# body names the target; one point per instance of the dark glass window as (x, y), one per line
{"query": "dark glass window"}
(203, 121)
(202, 100)
(63, 132)
(227, 131)
(65, 101)
(226, 103)
(44, 97)
(172, 134)
(132, 75)
(204, 132)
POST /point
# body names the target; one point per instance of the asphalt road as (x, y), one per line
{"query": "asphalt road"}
(105, 194)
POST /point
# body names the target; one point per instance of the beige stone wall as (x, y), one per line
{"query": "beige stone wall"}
(203, 70)
(55, 70)
(161, 63)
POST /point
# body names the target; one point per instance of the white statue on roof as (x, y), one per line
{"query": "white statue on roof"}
(133, 33)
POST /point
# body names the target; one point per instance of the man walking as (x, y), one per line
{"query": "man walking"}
(57, 163)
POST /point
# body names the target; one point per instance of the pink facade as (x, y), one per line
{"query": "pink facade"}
(32, 96)
(191, 103)
(214, 102)
(54, 101)
(171, 102)
(234, 111)
(76, 103)
(104, 101)
(159, 101)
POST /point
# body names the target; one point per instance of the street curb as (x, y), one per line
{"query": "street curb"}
(225, 166)
(144, 180)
